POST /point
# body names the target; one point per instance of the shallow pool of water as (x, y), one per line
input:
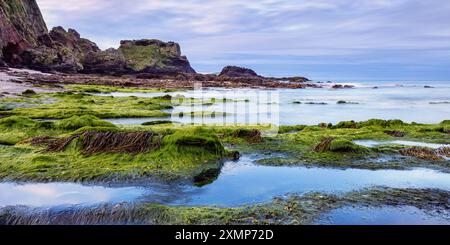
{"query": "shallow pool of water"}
(243, 182)
(313, 106)
(373, 143)
(240, 183)
(54, 194)
(405, 215)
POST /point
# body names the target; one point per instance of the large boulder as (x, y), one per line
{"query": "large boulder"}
(235, 71)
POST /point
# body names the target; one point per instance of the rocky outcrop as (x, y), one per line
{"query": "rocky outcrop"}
(63, 51)
(21, 26)
(146, 56)
(235, 71)
(25, 41)
(110, 61)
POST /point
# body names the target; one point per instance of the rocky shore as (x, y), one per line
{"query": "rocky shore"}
(181, 81)
(25, 42)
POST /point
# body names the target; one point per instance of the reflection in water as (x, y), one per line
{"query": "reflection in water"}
(240, 182)
(243, 182)
(54, 194)
(405, 215)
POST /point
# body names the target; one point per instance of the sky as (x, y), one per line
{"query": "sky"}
(320, 39)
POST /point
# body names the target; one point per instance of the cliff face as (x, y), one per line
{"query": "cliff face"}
(25, 41)
(63, 51)
(139, 56)
(21, 26)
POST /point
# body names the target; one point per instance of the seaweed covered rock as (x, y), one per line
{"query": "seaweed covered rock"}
(250, 135)
(342, 145)
(16, 122)
(195, 140)
(381, 123)
(29, 92)
(338, 145)
(77, 122)
(346, 124)
(368, 123)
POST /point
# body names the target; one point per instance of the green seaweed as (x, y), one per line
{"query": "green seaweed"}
(77, 122)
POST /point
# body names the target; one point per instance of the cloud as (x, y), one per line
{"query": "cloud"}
(364, 31)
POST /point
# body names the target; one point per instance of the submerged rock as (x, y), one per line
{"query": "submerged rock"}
(341, 102)
(340, 86)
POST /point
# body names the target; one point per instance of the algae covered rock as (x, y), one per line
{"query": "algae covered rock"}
(16, 122)
(77, 122)
(342, 145)
(154, 56)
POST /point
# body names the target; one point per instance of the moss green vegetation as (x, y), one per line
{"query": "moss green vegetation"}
(16, 128)
(293, 210)
(140, 57)
(77, 122)
(194, 152)
(56, 151)
(179, 154)
(299, 144)
(67, 104)
(187, 152)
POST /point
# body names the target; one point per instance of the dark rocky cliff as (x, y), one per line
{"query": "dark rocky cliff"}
(140, 56)
(25, 41)
(21, 26)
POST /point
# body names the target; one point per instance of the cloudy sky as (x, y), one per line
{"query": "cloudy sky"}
(320, 39)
